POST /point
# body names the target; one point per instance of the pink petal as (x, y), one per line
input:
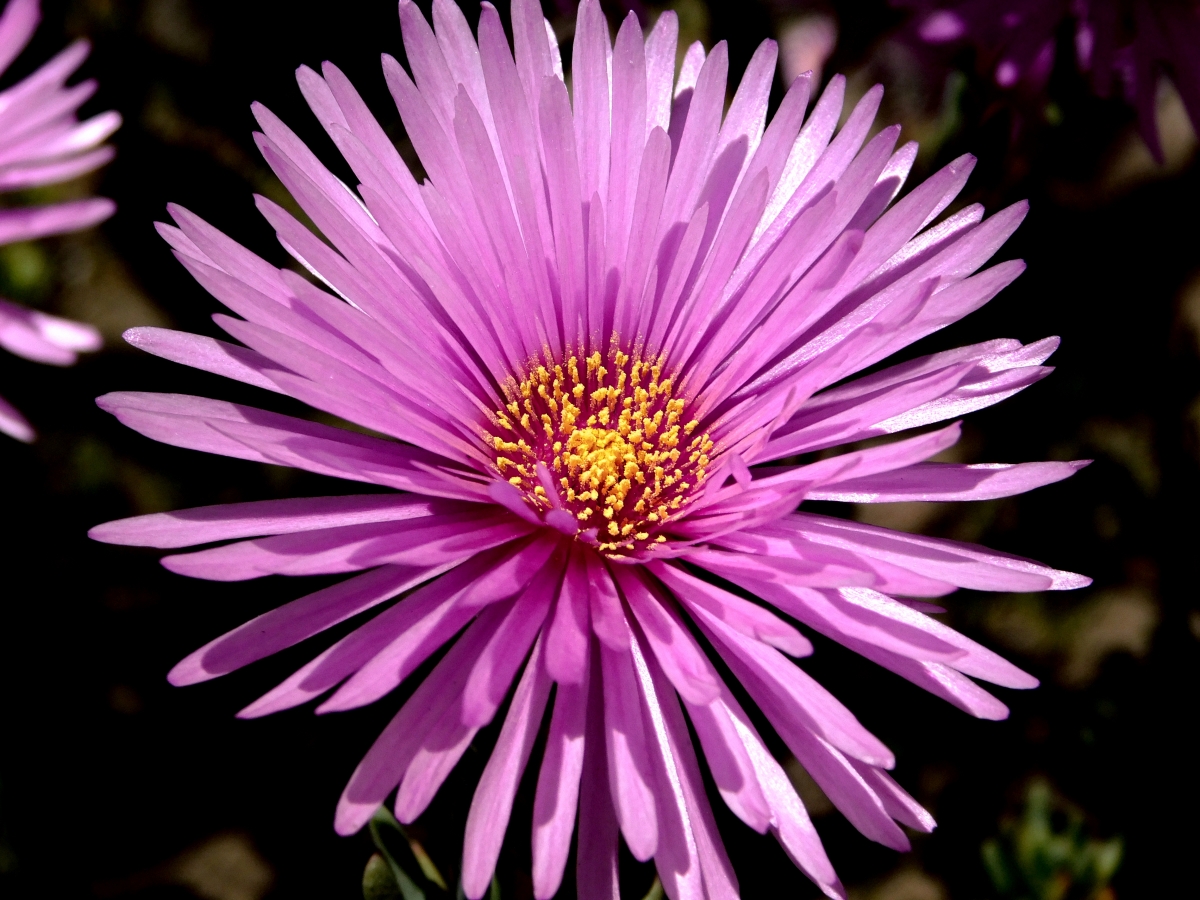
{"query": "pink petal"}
(491, 806)
(386, 650)
(597, 876)
(17, 24)
(389, 757)
(947, 482)
(729, 763)
(205, 353)
(789, 820)
(748, 618)
(426, 540)
(629, 774)
(247, 433)
(557, 795)
(496, 665)
(293, 622)
(845, 786)
(205, 524)
(769, 676)
(676, 856)
(680, 657)
(569, 632)
(26, 224)
(13, 423)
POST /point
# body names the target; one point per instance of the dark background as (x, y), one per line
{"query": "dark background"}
(108, 775)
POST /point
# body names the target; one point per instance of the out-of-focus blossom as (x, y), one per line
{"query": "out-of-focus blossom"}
(41, 143)
(1136, 42)
(598, 342)
(805, 44)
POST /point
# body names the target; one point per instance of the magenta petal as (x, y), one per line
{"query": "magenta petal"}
(247, 433)
(846, 787)
(17, 24)
(205, 524)
(947, 482)
(676, 857)
(557, 795)
(13, 423)
(442, 747)
(40, 221)
(293, 622)
(630, 777)
(569, 632)
(789, 820)
(677, 653)
(498, 662)
(596, 876)
(386, 762)
(748, 618)
(384, 651)
(962, 564)
(608, 620)
(772, 677)
(492, 803)
(729, 763)
(899, 805)
(429, 539)
(208, 354)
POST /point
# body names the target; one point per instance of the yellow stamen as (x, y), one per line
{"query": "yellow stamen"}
(610, 429)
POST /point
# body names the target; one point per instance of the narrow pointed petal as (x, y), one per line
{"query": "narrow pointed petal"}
(491, 806)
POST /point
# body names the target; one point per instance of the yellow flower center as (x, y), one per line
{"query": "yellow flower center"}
(602, 437)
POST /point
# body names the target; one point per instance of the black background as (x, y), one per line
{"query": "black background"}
(106, 771)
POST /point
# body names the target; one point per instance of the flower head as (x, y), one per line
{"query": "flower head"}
(602, 342)
(1134, 41)
(41, 143)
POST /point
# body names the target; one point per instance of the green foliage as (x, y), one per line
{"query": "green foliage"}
(26, 271)
(656, 890)
(378, 881)
(387, 877)
(387, 873)
(1046, 854)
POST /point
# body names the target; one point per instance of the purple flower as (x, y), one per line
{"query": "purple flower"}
(41, 143)
(602, 341)
(1137, 41)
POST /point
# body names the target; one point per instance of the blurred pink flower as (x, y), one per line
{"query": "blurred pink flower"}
(1138, 41)
(805, 45)
(596, 341)
(41, 142)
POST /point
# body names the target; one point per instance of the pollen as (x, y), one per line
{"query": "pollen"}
(602, 436)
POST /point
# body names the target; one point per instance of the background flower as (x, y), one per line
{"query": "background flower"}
(1123, 44)
(42, 143)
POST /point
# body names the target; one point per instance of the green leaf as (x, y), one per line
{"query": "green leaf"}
(427, 867)
(378, 881)
(997, 868)
(384, 822)
(656, 890)
(384, 826)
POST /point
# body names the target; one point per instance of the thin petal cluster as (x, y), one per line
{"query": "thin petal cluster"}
(603, 341)
(41, 142)
(1135, 42)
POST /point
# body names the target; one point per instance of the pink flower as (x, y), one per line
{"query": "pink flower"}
(41, 142)
(598, 340)
(1137, 41)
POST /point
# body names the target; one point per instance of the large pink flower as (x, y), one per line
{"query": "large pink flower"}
(601, 341)
(41, 143)
(1134, 41)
